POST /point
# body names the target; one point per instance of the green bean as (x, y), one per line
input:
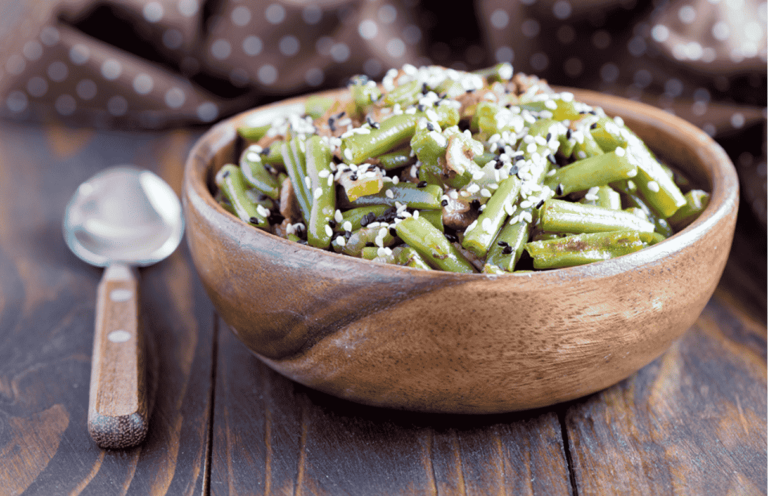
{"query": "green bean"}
(364, 93)
(605, 197)
(232, 184)
(696, 201)
(352, 218)
(273, 155)
(484, 158)
(257, 175)
(656, 187)
(253, 133)
(588, 147)
(582, 249)
(566, 217)
(372, 252)
(403, 95)
(319, 233)
(478, 239)
(431, 244)
(594, 171)
(651, 238)
(316, 106)
(408, 194)
(393, 132)
(365, 236)
(508, 247)
(662, 226)
(297, 172)
(564, 109)
(607, 134)
(396, 159)
(458, 165)
(405, 255)
(434, 217)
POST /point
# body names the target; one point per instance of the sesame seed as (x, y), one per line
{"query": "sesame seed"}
(317, 193)
(308, 181)
(347, 226)
(620, 152)
(348, 154)
(389, 194)
(341, 241)
(632, 173)
(328, 230)
(653, 186)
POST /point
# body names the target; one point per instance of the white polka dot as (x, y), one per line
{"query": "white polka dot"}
(539, 61)
(143, 84)
(643, 78)
(119, 336)
(339, 52)
(396, 48)
(573, 67)
(699, 108)
(239, 77)
(58, 71)
(117, 106)
(175, 97)
(37, 86)
(86, 89)
(32, 50)
(709, 54)
(111, 69)
(701, 95)
(15, 64)
(314, 77)
(367, 29)
(412, 34)
(153, 12)
(736, 55)
(221, 49)
(721, 31)
(252, 45)
(561, 9)
(79, 54)
(267, 74)
(241, 16)
(660, 33)
(323, 45)
(673, 87)
(710, 129)
(65, 105)
(289, 45)
(312, 14)
(601, 39)
(686, 14)
(609, 72)
(207, 112)
(749, 49)
(188, 8)
(566, 34)
(636, 46)
(504, 54)
(49, 36)
(693, 50)
(387, 14)
(275, 14)
(16, 101)
(530, 28)
(737, 120)
(372, 67)
(499, 19)
(173, 38)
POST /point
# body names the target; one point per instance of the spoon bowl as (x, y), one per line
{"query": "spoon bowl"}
(121, 218)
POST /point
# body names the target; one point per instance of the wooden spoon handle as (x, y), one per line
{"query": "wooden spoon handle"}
(117, 404)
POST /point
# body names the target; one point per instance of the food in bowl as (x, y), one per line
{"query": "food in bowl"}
(442, 169)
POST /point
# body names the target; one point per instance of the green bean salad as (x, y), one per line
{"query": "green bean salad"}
(440, 169)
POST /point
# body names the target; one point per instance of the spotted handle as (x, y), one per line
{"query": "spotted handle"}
(117, 404)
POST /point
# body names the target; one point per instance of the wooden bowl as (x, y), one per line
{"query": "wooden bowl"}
(461, 343)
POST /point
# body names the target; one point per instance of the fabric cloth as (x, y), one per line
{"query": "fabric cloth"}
(161, 63)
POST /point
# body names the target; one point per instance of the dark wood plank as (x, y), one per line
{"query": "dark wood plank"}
(47, 299)
(273, 436)
(694, 420)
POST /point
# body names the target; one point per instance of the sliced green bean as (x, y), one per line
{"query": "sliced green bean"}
(368, 236)
(408, 194)
(566, 217)
(586, 148)
(297, 172)
(605, 197)
(232, 184)
(608, 135)
(396, 159)
(409, 257)
(432, 245)
(662, 226)
(589, 172)
(403, 95)
(273, 155)
(655, 185)
(478, 239)
(696, 201)
(582, 249)
(508, 247)
(319, 233)
(253, 133)
(435, 217)
(257, 175)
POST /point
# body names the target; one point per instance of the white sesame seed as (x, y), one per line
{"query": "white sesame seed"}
(308, 181)
(653, 186)
(328, 230)
(253, 157)
(473, 188)
(341, 241)
(348, 154)
(632, 173)
(620, 152)
(264, 212)
(484, 192)
(330, 181)
(395, 180)
(317, 193)
(487, 224)
(389, 194)
(415, 214)
(347, 226)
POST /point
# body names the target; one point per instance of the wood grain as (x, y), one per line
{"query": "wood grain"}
(273, 436)
(47, 306)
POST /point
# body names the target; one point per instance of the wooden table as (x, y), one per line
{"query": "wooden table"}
(691, 422)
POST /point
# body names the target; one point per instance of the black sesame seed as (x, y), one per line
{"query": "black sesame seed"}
(593, 125)
(502, 243)
(475, 204)
(549, 136)
(470, 90)
(444, 203)
(421, 107)
(265, 151)
(568, 134)
(430, 126)
(551, 158)
(593, 112)
(539, 205)
(518, 158)
(422, 184)
(341, 114)
(559, 189)
(332, 223)
(451, 237)
(226, 174)
(507, 250)
(253, 220)
(393, 232)
(442, 95)
(353, 177)
(424, 88)
(514, 170)
(498, 165)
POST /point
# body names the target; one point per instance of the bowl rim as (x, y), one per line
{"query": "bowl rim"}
(720, 171)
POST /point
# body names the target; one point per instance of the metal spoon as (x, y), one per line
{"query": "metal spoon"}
(121, 218)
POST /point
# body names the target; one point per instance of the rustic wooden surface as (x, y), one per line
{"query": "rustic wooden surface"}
(691, 422)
